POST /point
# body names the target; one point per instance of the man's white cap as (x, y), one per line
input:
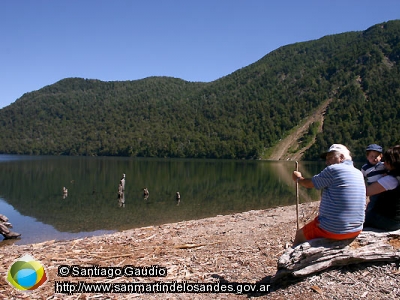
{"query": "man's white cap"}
(338, 148)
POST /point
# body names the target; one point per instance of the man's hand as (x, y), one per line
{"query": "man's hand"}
(296, 175)
(307, 183)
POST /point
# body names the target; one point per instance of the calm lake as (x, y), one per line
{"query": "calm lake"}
(31, 192)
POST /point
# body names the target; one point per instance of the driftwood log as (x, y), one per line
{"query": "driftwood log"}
(4, 225)
(320, 254)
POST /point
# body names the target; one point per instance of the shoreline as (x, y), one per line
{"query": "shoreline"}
(236, 248)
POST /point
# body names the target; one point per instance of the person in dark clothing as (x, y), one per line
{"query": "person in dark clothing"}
(385, 214)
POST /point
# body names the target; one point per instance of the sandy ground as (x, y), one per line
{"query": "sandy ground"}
(241, 249)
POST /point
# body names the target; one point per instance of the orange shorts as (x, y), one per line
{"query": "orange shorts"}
(313, 231)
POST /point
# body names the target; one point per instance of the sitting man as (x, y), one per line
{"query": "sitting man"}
(341, 211)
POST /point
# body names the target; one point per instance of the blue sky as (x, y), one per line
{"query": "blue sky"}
(44, 41)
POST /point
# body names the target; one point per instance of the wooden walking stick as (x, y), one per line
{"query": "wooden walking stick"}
(297, 196)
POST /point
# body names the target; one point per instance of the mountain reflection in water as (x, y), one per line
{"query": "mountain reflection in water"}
(32, 195)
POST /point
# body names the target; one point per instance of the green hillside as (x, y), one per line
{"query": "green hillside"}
(241, 115)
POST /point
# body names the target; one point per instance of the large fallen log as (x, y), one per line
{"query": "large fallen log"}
(3, 218)
(4, 225)
(320, 254)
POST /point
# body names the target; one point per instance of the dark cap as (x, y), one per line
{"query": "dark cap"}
(374, 147)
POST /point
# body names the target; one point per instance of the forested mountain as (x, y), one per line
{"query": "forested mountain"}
(241, 115)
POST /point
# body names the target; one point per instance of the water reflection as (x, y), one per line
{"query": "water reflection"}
(33, 231)
(210, 187)
(121, 199)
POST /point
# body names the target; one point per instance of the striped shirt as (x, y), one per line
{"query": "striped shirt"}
(373, 172)
(388, 182)
(343, 198)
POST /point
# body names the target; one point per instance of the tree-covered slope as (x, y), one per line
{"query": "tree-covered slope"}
(240, 115)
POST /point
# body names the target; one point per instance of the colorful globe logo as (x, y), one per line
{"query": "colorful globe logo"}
(26, 274)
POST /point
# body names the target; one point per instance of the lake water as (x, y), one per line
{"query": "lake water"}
(31, 193)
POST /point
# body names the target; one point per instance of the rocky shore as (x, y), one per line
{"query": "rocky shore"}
(238, 250)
